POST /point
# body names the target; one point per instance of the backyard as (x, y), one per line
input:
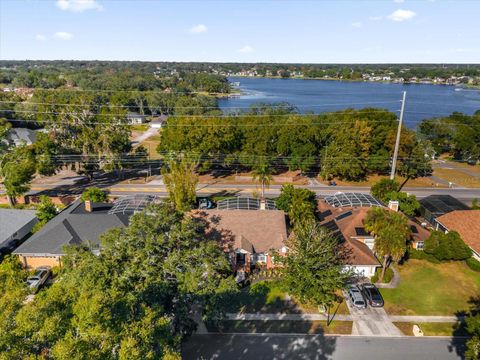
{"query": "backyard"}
(433, 289)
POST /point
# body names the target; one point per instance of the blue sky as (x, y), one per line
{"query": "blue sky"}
(242, 31)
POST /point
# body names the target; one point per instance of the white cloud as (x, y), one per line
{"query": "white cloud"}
(63, 35)
(41, 37)
(357, 24)
(78, 5)
(402, 15)
(246, 49)
(198, 29)
(398, 1)
(376, 18)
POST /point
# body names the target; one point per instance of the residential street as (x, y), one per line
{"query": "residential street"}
(264, 346)
(242, 189)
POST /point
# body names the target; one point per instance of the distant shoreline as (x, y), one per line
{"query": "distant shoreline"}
(354, 80)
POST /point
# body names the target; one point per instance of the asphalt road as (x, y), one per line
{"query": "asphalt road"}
(319, 347)
(462, 194)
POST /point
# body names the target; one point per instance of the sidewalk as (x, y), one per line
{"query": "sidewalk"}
(355, 317)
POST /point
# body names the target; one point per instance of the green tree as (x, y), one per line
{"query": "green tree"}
(94, 194)
(449, 246)
(313, 269)
(473, 344)
(46, 211)
(391, 233)
(135, 299)
(17, 168)
(298, 203)
(181, 181)
(263, 174)
(382, 188)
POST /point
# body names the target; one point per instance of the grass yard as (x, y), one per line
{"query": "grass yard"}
(457, 177)
(269, 297)
(281, 326)
(433, 329)
(419, 182)
(432, 289)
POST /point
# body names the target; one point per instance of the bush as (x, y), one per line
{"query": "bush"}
(94, 194)
(386, 279)
(422, 255)
(448, 246)
(473, 264)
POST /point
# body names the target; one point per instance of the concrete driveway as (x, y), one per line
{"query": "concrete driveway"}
(372, 322)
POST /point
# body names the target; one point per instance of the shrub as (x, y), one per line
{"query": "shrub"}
(448, 246)
(386, 279)
(473, 264)
(94, 194)
(422, 255)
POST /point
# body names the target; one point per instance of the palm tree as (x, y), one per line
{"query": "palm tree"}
(391, 233)
(263, 173)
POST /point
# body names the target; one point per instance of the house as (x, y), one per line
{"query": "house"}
(21, 136)
(81, 223)
(434, 206)
(466, 223)
(135, 118)
(249, 236)
(343, 214)
(15, 225)
(158, 122)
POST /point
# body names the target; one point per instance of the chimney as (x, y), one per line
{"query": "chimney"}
(393, 205)
(88, 206)
(263, 204)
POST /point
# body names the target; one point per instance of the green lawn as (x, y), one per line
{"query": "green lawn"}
(282, 326)
(432, 289)
(270, 297)
(433, 329)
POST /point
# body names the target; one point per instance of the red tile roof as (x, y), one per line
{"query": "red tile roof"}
(466, 223)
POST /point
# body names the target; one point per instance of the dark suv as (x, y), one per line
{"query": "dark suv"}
(373, 296)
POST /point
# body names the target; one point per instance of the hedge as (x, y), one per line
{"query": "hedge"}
(422, 255)
(473, 264)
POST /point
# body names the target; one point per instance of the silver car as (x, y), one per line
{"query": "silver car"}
(356, 297)
(39, 278)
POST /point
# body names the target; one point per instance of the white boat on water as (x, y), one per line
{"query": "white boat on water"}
(236, 83)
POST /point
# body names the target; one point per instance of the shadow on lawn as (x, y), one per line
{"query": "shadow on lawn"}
(458, 343)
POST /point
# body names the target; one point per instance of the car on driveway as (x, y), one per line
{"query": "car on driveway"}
(373, 296)
(356, 298)
(39, 278)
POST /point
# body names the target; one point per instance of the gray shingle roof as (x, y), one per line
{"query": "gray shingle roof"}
(73, 226)
(12, 220)
(17, 135)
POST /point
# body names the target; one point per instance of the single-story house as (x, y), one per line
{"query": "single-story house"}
(466, 223)
(135, 118)
(21, 136)
(434, 206)
(79, 223)
(344, 216)
(15, 225)
(249, 236)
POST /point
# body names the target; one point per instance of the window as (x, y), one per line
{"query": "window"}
(261, 258)
(420, 245)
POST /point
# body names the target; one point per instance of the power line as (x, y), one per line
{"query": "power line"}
(200, 107)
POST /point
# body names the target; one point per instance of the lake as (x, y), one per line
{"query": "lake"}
(423, 100)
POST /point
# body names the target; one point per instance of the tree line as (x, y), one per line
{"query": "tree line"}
(349, 144)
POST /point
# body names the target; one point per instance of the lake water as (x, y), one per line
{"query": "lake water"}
(423, 100)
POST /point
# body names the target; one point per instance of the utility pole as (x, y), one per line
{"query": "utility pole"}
(397, 142)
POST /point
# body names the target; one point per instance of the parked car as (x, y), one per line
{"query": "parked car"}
(205, 204)
(356, 297)
(373, 296)
(39, 278)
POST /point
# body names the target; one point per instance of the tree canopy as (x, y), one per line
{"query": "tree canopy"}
(133, 300)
